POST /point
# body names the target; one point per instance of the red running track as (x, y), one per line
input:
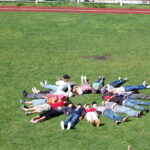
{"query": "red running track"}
(75, 10)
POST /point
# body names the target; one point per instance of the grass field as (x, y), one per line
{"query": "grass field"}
(39, 46)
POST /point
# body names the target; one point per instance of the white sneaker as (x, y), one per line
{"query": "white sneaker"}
(69, 126)
(33, 90)
(144, 83)
(148, 86)
(42, 84)
(126, 79)
(82, 79)
(119, 78)
(45, 82)
(62, 125)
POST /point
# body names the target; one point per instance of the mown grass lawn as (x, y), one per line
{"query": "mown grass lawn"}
(39, 46)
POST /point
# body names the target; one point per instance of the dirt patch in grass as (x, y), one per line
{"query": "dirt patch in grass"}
(98, 57)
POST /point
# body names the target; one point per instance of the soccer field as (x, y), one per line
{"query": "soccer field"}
(39, 46)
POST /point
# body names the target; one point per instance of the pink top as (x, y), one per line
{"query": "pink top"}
(85, 87)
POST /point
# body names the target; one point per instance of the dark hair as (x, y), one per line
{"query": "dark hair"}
(66, 76)
(79, 104)
(94, 103)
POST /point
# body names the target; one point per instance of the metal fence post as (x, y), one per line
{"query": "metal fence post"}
(36, 1)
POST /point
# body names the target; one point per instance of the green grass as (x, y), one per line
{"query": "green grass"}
(39, 46)
(65, 3)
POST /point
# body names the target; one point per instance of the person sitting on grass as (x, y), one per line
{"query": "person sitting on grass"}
(108, 113)
(91, 115)
(73, 118)
(60, 85)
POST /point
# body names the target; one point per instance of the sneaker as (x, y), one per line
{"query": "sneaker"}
(141, 112)
(45, 82)
(148, 86)
(118, 122)
(125, 119)
(62, 125)
(82, 79)
(33, 90)
(144, 83)
(42, 84)
(146, 110)
(24, 109)
(27, 113)
(69, 126)
(85, 79)
(25, 106)
(24, 93)
(22, 101)
(125, 79)
(119, 78)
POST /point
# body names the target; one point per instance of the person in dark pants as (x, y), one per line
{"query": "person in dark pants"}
(73, 118)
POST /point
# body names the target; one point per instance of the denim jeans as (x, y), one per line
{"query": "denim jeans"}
(139, 96)
(36, 95)
(134, 87)
(134, 104)
(39, 101)
(126, 110)
(53, 88)
(117, 83)
(112, 115)
(73, 118)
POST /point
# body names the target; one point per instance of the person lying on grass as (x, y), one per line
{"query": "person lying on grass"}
(38, 94)
(122, 109)
(97, 85)
(57, 109)
(91, 115)
(125, 101)
(108, 113)
(41, 105)
(73, 118)
(86, 88)
(124, 89)
(61, 85)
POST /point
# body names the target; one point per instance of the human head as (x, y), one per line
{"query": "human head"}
(79, 105)
(77, 90)
(70, 105)
(87, 106)
(94, 104)
(104, 89)
(66, 77)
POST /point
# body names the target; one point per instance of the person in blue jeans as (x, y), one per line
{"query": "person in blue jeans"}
(124, 89)
(97, 85)
(73, 118)
(118, 82)
(135, 104)
(122, 109)
(108, 113)
(125, 101)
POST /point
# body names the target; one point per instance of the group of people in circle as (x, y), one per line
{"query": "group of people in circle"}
(56, 100)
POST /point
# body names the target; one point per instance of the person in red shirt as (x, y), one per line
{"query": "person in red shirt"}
(91, 115)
